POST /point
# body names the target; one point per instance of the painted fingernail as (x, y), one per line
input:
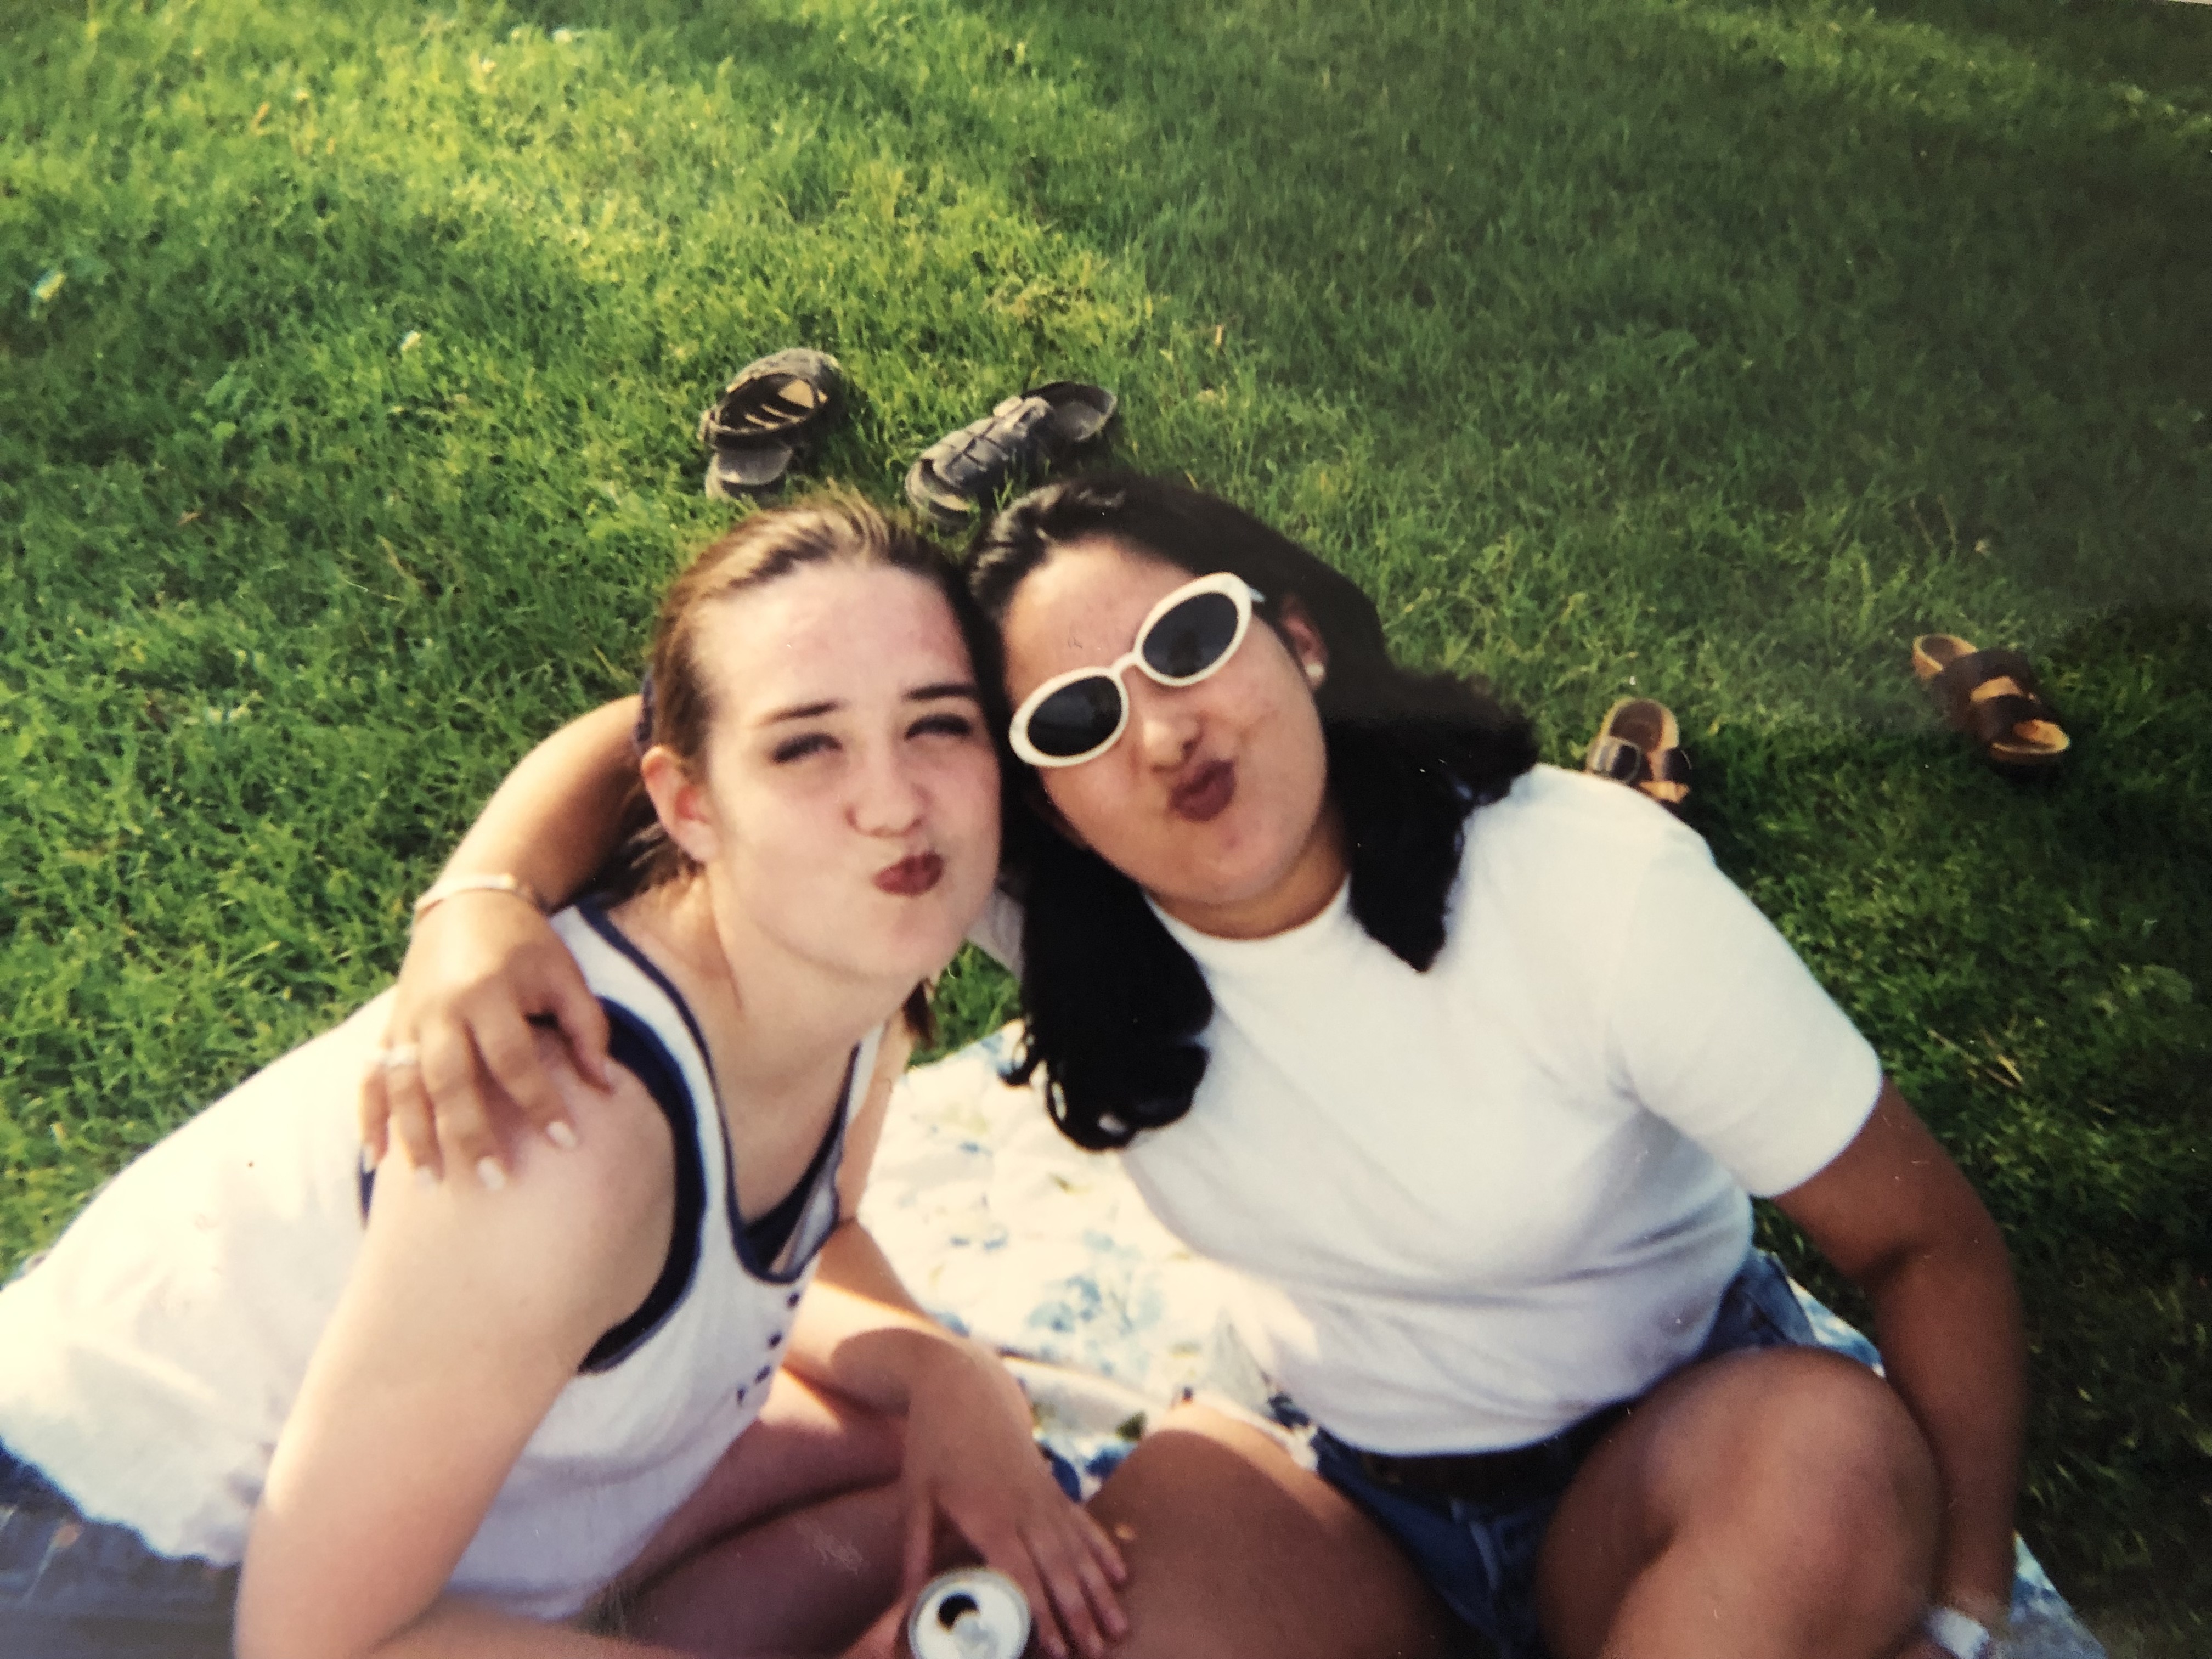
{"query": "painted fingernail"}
(490, 1174)
(425, 1176)
(561, 1134)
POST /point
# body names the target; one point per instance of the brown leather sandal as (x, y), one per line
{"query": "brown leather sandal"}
(1640, 745)
(1993, 697)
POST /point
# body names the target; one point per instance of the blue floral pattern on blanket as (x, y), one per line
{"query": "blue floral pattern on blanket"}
(1005, 1229)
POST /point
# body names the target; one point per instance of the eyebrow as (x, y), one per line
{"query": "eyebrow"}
(933, 693)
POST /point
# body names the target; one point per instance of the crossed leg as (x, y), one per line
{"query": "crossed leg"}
(1235, 1552)
(791, 1544)
(1772, 1505)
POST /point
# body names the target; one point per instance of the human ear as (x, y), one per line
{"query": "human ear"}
(1303, 636)
(680, 802)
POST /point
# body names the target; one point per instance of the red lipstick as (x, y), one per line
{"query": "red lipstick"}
(912, 875)
(1206, 794)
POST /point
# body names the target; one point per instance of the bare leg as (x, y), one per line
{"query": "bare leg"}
(806, 1583)
(1236, 1552)
(794, 1526)
(1772, 1505)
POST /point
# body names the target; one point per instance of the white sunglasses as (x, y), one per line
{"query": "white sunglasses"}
(1189, 635)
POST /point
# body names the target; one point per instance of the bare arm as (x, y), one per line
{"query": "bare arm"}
(970, 1454)
(1894, 1214)
(465, 1316)
(481, 965)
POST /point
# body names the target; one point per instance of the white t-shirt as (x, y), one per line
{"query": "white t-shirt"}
(1469, 1207)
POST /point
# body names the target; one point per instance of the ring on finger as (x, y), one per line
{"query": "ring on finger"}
(400, 1056)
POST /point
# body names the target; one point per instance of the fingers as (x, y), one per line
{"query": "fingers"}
(1104, 1550)
(1013, 1558)
(1061, 1579)
(448, 1077)
(583, 1022)
(373, 1111)
(510, 1053)
(410, 1111)
(1075, 1579)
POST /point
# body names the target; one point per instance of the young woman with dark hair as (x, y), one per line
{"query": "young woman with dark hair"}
(1468, 1067)
(258, 1400)
(1114, 1009)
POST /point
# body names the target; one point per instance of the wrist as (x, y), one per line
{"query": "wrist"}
(498, 882)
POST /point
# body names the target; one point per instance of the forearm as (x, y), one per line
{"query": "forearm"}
(859, 1331)
(1949, 1327)
(556, 816)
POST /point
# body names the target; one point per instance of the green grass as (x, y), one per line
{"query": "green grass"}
(1708, 349)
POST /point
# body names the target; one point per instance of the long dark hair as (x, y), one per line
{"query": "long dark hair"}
(1115, 1008)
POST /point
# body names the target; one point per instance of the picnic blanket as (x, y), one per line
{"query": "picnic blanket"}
(1005, 1231)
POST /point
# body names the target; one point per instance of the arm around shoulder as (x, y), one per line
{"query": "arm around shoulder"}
(483, 961)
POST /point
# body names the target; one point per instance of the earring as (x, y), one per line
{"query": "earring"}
(1315, 673)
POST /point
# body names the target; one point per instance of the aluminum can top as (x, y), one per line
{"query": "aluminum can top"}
(970, 1614)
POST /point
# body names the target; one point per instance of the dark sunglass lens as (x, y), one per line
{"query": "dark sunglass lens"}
(1191, 637)
(1077, 717)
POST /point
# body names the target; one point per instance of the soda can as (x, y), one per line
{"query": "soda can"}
(972, 1613)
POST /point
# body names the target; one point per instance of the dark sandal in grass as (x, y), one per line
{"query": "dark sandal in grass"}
(1993, 697)
(768, 417)
(962, 471)
(1638, 744)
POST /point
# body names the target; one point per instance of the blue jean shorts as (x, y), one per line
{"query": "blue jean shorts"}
(1480, 1558)
(74, 1588)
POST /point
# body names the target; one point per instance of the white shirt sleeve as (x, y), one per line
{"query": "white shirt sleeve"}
(1717, 1026)
(998, 931)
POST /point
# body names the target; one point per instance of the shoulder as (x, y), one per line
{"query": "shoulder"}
(590, 1222)
(1566, 850)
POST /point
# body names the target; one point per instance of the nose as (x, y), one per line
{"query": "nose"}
(888, 798)
(1165, 720)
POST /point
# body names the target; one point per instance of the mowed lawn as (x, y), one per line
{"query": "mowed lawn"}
(1701, 349)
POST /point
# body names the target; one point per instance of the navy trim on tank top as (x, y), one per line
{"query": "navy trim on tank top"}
(800, 1197)
(634, 1046)
(594, 913)
(769, 1232)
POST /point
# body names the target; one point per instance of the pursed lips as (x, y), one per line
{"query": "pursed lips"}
(913, 875)
(1204, 792)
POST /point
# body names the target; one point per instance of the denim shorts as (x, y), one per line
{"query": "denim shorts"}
(1480, 1558)
(74, 1588)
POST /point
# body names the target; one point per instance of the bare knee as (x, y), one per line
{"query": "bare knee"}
(1836, 1477)
(1236, 1552)
(1791, 1484)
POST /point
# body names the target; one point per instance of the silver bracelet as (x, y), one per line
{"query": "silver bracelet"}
(1957, 1634)
(439, 892)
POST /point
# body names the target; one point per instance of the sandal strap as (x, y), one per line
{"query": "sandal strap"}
(786, 397)
(1619, 759)
(1961, 675)
(982, 455)
(1625, 762)
(1994, 718)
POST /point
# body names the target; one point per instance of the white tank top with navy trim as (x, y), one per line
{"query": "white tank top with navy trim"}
(148, 1361)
